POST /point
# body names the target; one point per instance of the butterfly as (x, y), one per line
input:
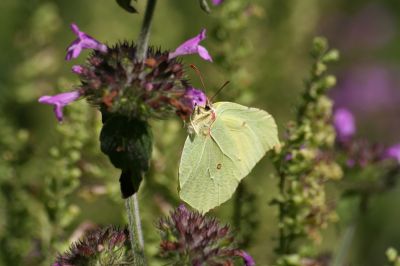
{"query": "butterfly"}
(225, 142)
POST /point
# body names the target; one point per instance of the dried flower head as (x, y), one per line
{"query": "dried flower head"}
(108, 246)
(190, 238)
(116, 82)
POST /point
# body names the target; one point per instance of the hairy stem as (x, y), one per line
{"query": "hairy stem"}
(131, 203)
(135, 230)
(143, 40)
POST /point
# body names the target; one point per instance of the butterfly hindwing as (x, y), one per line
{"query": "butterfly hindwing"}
(206, 176)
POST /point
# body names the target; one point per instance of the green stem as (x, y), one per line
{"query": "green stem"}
(282, 239)
(143, 40)
(344, 246)
(131, 203)
(135, 230)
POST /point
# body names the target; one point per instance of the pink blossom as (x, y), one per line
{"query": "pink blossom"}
(192, 46)
(59, 101)
(84, 41)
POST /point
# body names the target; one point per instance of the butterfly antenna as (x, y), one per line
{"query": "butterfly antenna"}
(219, 90)
(199, 74)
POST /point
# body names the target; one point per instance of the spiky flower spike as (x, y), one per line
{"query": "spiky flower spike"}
(106, 247)
(191, 239)
(119, 84)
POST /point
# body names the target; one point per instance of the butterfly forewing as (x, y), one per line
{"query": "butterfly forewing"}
(244, 134)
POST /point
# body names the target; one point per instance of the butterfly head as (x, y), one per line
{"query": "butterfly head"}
(202, 119)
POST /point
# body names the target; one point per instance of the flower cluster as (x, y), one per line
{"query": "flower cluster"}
(304, 163)
(393, 256)
(190, 238)
(118, 84)
(128, 92)
(359, 152)
(108, 246)
(115, 81)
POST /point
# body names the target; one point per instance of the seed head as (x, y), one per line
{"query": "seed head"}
(118, 83)
(109, 246)
(190, 238)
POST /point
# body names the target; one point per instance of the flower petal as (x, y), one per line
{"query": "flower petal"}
(203, 53)
(248, 260)
(75, 29)
(217, 2)
(83, 41)
(195, 97)
(393, 152)
(59, 101)
(77, 69)
(344, 124)
(192, 46)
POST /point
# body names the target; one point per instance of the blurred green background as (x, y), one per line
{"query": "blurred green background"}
(54, 180)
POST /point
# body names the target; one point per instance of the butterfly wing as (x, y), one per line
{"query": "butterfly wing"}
(244, 134)
(207, 177)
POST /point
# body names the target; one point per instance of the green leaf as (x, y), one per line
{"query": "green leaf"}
(126, 4)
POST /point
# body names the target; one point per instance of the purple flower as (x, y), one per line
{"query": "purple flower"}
(393, 152)
(195, 97)
(107, 246)
(343, 122)
(83, 41)
(200, 240)
(248, 260)
(288, 157)
(192, 46)
(372, 93)
(217, 2)
(59, 101)
(77, 69)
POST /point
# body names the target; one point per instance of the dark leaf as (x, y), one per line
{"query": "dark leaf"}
(128, 145)
(204, 6)
(126, 4)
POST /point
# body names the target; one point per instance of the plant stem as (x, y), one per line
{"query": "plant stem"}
(143, 40)
(282, 241)
(344, 246)
(131, 203)
(135, 230)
